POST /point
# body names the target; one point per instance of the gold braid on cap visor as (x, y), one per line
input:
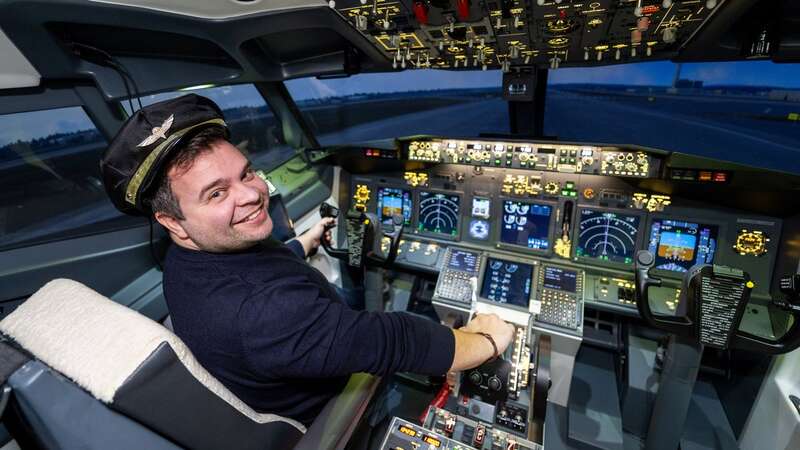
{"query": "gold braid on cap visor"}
(132, 192)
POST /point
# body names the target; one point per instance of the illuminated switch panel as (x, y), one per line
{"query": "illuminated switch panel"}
(455, 431)
(429, 151)
(625, 164)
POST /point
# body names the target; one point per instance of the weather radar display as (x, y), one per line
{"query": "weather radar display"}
(607, 236)
(679, 245)
(438, 213)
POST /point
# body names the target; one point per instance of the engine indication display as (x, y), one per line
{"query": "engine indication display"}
(607, 236)
(438, 213)
(526, 224)
(507, 282)
(394, 201)
(679, 245)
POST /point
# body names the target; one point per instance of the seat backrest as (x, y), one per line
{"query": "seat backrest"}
(139, 368)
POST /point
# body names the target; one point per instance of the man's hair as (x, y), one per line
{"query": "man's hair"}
(162, 199)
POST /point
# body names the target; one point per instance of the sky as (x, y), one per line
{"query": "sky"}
(25, 126)
(660, 73)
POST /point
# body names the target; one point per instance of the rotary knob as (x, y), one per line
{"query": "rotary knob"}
(494, 383)
(475, 377)
(552, 187)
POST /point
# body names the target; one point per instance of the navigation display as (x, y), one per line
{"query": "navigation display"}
(679, 245)
(607, 236)
(507, 282)
(526, 224)
(560, 279)
(463, 260)
(438, 213)
(394, 201)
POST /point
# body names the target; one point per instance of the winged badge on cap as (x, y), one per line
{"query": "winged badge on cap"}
(158, 132)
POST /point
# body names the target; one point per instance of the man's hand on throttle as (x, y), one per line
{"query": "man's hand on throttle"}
(312, 238)
(502, 332)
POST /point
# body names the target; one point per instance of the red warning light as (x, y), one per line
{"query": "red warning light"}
(421, 12)
(720, 177)
(650, 9)
(463, 10)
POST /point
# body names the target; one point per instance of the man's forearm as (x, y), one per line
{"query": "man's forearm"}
(471, 350)
(305, 243)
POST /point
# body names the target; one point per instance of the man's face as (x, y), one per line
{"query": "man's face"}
(223, 202)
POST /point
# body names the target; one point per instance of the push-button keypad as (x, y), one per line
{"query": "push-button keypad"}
(559, 308)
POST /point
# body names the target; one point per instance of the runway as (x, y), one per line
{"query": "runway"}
(750, 131)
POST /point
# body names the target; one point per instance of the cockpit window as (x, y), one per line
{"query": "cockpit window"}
(50, 179)
(746, 112)
(387, 105)
(254, 128)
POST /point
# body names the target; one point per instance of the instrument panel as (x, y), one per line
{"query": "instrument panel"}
(566, 204)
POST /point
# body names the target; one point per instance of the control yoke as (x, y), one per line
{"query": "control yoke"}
(365, 238)
(715, 299)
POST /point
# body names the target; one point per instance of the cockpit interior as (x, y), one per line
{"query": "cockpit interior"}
(617, 179)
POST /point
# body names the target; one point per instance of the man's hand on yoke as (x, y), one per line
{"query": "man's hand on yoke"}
(312, 238)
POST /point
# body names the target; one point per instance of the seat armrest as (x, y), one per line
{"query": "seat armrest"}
(336, 422)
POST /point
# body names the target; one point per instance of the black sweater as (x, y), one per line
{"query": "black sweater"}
(272, 329)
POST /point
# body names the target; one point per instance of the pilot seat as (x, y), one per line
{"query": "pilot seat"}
(85, 372)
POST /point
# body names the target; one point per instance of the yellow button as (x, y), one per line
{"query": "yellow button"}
(750, 285)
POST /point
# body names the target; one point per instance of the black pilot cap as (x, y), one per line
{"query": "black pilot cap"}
(135, 157)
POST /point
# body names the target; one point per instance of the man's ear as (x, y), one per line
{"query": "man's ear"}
(172, 225)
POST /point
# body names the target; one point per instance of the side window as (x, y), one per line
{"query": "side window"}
(254, 128)
(50, 183)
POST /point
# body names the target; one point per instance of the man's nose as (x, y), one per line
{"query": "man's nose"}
(248, 194)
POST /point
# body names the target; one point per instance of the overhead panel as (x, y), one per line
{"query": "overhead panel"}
(506, 34)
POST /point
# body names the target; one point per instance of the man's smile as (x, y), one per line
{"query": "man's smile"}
(256, 216)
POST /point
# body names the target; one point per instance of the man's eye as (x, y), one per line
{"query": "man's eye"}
(215, 194)
(249, 174)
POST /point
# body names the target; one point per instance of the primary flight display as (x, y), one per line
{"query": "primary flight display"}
(678, 245)
(392, 202)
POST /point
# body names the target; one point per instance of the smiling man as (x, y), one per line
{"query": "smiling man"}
(259, 318)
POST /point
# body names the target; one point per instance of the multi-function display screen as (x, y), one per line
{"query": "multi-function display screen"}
(394, 201)
(607, 236)
(481, 207)
(560, 279)
(463, 260)
(526, 224)
(507, 282)
(678, 245)
(438, 213)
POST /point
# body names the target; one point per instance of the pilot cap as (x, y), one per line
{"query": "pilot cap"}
(134, 159)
